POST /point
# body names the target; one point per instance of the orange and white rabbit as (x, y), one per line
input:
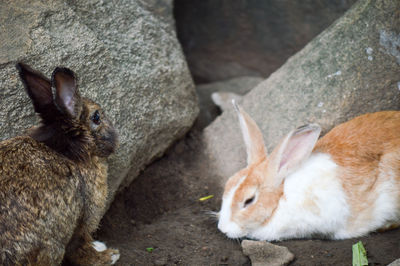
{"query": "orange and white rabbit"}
(345, 185)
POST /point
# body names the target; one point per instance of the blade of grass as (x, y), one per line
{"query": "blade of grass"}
(359, 255)
(206, 198)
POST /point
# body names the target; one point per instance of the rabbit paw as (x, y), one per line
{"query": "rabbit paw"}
(107, 255)
(99, 246)
(114, 255)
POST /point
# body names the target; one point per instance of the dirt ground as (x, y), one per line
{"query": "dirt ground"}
(158, 220)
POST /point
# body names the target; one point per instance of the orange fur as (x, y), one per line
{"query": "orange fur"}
(362, 147)
(269, 195)
(252, 136)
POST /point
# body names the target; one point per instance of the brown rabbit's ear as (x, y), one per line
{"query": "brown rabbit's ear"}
(37, 86)
(292, 151)
(67, 97)
(252, 136)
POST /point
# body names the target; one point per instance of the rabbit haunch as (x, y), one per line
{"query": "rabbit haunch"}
(53, 181)
(345, 185)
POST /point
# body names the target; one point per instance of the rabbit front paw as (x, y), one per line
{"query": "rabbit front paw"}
(106, 255)
(114, 255)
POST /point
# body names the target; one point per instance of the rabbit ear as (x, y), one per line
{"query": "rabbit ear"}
(293, 150)
(67, 97)
(252, 136)
(37, 86)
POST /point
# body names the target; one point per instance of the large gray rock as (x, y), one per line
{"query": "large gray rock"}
(236, 87)
(127, 58)
(351, 68)
(395, 263)
(224, 39)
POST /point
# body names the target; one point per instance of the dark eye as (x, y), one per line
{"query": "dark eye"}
(96, 118)
(248, 201)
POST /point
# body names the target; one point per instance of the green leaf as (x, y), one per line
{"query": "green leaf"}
(359, 255)
(150, 249)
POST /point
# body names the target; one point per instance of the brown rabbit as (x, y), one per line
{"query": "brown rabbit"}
(53, 180)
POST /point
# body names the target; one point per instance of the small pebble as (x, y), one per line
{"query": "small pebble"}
(160, 262)
(224, 259)
(262, 253)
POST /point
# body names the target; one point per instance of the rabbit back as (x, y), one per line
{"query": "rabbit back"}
(367, 150)
(348, 187)
(41, 202)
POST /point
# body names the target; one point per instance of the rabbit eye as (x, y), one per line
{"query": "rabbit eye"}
(96, 118)
(248, 201)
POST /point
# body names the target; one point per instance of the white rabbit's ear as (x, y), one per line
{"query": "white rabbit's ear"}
(252, 136)
(293, 150)
(67, 97)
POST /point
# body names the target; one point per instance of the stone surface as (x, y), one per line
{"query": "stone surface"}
(263, 253)
(395, 263)
(223, 39)
(208, 108)
(127, 58)
(349, 69)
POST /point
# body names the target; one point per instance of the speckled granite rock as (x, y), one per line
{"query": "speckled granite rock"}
(349, 69)
(127, 58)
(231, 88)
(395, 263)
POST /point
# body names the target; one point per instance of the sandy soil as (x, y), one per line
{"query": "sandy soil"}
(158, 220)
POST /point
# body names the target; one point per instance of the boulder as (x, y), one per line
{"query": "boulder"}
(127, 58)
(225, 39)
(213, 96)
(349, 69)
(395, 263)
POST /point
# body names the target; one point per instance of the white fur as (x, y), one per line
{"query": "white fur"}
(385, 210)
(225, 225)
(99, 246)
(388, 199)
(114, 258)
(314, 203)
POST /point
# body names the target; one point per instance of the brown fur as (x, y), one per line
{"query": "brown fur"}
(366, 148)
(53, 181)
